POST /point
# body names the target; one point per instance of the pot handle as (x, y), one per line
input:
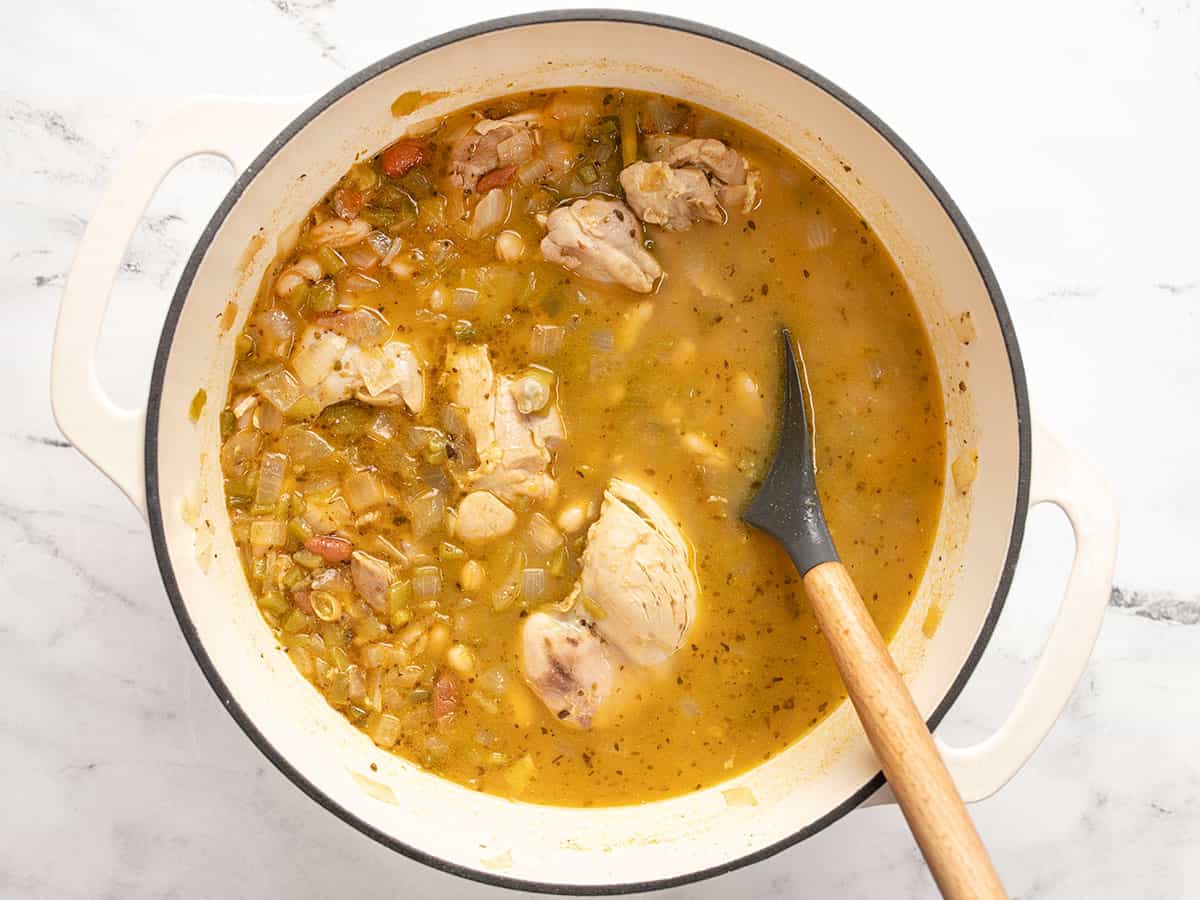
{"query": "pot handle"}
(1064, 479)
(111, 437)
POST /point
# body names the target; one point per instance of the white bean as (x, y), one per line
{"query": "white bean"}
(510, 246)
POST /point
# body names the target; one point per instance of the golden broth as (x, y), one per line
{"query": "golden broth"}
(676, 391)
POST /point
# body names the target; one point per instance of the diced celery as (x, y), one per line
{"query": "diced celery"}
(586, 172)
(273, 602)
(295, 622)
(197, 405)
(299, 530)
(331, 261)
(321, 296)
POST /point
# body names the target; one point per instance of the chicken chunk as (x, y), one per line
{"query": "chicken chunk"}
(637, 574)
(567, 664)
(672, 198)
(483, 517)
(717, 159)
(733, 182)
(391, 374)
(372, 577)
(636, 569)
(514, 448)
(332, 368)
(602, 240)
(488, 146)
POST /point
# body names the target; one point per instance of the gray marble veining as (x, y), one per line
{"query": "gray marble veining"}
(1067, 133)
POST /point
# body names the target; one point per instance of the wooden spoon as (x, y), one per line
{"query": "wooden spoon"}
(788, 508)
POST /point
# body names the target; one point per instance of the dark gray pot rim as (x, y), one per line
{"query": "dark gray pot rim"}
(153, 410)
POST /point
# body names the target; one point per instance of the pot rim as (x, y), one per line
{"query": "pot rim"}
(153, 409)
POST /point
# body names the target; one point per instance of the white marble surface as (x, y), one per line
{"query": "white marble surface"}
(1069, 133)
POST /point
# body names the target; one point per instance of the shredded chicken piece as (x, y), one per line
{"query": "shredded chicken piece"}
(641, 601)
(372, 577)
(567, 664)
(488, 146)
(722, 162)
(637, 570)
(602, 240)
(514, 448)
(672, 198)
(332, 368)
(686, 179)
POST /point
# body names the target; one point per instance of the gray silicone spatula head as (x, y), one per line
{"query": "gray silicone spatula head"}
(787, 505)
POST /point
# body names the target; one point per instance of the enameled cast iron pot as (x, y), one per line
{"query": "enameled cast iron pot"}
(168, 466)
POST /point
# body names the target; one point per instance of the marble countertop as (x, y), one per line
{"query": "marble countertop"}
(1069, 135)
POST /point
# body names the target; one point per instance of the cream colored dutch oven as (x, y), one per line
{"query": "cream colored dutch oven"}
(167, 465)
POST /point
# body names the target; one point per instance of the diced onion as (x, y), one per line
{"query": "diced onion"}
(362, 256)
(363, 491)
(543, 535)
(270, 418)
(280, 389)
(819, 233)
(546, 340)
(515, 150)
(307, 448)
(245, 405)
(267, 533)
(383, 427)
(533, 583)
(276, 330)
(659, 114)
(358, 283)
(559, 155)
(533, 171)
(465, 299)
(490, 213)
(380, 243)
(241, 448)
(271, 472)
(385, 731)
(427, 511)
(426, 583)
(603, 340)
(392, 251)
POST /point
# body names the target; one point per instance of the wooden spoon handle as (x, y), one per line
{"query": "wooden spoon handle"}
(915, 772)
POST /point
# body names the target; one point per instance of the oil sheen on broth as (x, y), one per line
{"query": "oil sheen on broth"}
(350, 441)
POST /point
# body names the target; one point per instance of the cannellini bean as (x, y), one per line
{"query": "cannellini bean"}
(305, 270)
(703, 447)
(401, 266)
(749, 399)
(482, 516)
(439, 638)
(510, 246)
(684, 353)
(572, 519)
(460, 658)
(472, 576)
(339, 232)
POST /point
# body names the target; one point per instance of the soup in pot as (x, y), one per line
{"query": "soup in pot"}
(494, 417)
